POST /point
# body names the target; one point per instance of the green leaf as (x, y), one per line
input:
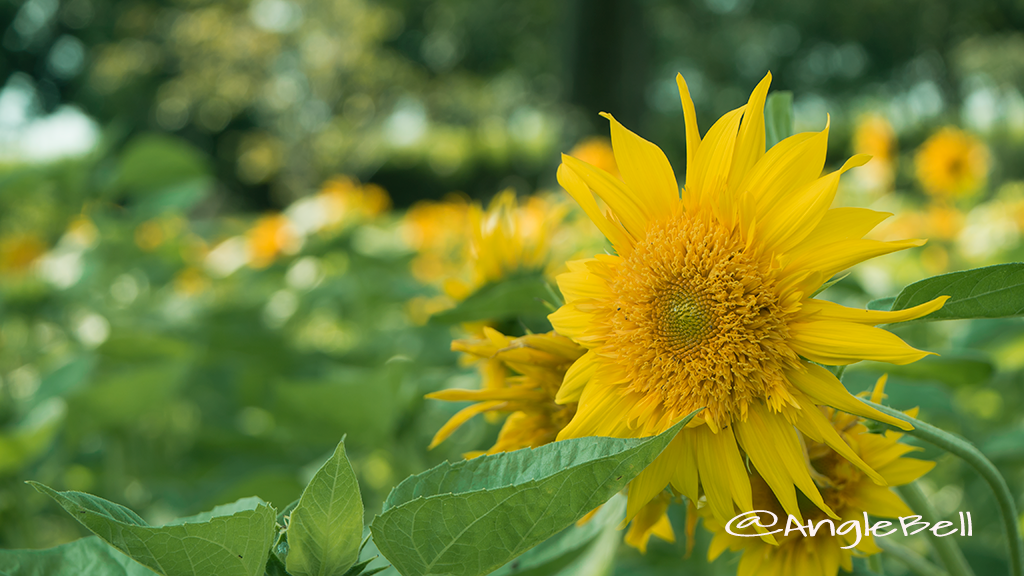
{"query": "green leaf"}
(469, 518)
(520, 296)
(326, 526)
(234, 545)
(778, 117)
(883, 304)
(32, 436)
(835, 280)
(954, 369)
(154, 161)
(568, 546)
(990, 292)
(90, 556)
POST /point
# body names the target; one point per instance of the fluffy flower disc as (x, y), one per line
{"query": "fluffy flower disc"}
(706, 304)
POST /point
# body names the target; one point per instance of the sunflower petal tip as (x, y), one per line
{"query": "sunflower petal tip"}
(606, 115)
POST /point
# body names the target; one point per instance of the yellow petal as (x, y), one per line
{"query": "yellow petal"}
(825, 310)
(788, 166)
(813, 423)
(598, 414)
(685, 478)
(828, 259)
(580, 192)
(879, 501)
(622, 201)
(645, 169)
(582, 284)
(750, 143)
(905, 470)
(773, 447)
(570, 322)
(652, 481)
(576, 377)
(843, 224)
(460, 418)
(710, 168)
(840, 343)
(722, 473)
(824, 388)
(795, 215)
(692, 133)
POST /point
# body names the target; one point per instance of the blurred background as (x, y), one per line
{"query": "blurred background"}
(225, 225)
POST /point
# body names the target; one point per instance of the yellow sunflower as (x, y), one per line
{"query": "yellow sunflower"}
(875, 136)
(952, 164)
(847, 491)
(707, 303)
(520, 378)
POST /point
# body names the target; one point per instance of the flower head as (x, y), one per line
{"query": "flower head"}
(846, 490)
(270, 237)
(952, 164)
(707, 304)
(520, 378)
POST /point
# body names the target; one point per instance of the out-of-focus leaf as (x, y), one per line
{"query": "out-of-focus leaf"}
(1005, 446)
(154, 161)
(32, 436)
(176, 198)
(234, 545)
(568, 546)
(990, 292)
(86, 556)
(469, 518)
(954, 369)
(778, 117)
(327, 525)
(66, 379)
(522, 296)
(883, 304)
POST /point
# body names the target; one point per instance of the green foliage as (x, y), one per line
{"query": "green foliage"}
(327, 523)
(990, 292)
(469, 518)
(155, 161)
(778, 117)
(91, 556)
(522, 296)
(231, 540)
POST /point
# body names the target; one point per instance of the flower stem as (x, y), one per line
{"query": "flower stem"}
(875, 564)
(965, 450)
(909, 558)
(946, 548)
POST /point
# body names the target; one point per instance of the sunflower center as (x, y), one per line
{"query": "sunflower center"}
(698, 322)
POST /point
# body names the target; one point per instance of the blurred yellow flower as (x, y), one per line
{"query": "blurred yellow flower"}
(952, 164)
(504, 240)
(437, 232)
(190, 281)
(343, 199)
(271, 236)
(520, 377)
(706, 305)
(149, 235)
(875, 136)
(19, 251)
(597, 151)
(845, 489)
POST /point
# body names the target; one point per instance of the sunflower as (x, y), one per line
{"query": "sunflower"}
(875, 136)
(707, 304)
(847, 491)
(952, 164)
(520, 378)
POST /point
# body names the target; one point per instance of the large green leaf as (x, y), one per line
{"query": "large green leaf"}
(778, 117)
(469, 518)
(990, 292)
(326, 526)
(91, 556)
(520, 296)
(234, 545)
(568, 546)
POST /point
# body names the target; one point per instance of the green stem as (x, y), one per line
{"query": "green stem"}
(946, 548)
(909, 558)
(965, 450)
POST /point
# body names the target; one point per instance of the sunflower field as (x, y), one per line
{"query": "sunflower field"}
(448, 288)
